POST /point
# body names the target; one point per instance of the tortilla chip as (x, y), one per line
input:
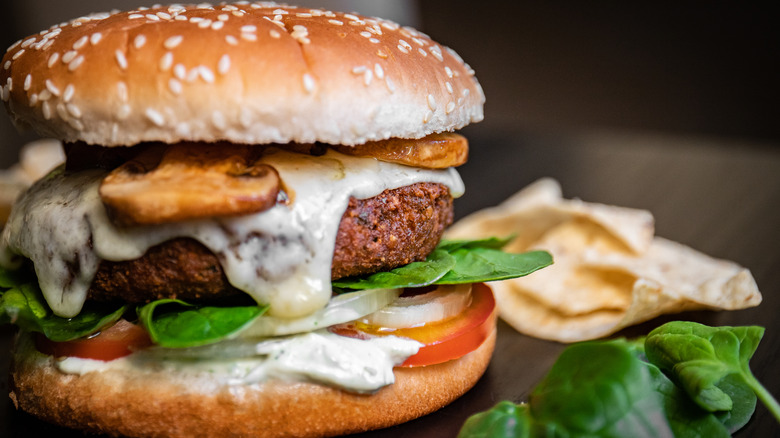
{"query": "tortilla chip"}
(609, 271)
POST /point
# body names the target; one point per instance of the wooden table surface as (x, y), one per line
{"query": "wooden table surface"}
(721, 197)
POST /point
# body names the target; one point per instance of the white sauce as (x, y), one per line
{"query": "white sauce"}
(62, 226)
(352, 364)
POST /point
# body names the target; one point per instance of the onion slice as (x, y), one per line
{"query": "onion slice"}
(342, 308)
(445, 302)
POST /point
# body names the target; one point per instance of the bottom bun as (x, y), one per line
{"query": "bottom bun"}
(121, 403)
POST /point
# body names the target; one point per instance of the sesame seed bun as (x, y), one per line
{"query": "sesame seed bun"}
(246, 73)
(141, 404)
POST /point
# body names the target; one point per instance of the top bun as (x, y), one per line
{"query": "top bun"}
(246, 73)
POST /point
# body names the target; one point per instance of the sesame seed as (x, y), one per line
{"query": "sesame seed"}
(303, 15)
(206, 74)
(275, 34)
(10, 83)
(175, 86)
(223, 17)
(152, 17)
(183, 129)
(448, 71)
(217, 25)
(431, 102)
(204, 24)
(238, 13)
(80, 42)
(52, 88)
(180, 71)
(7, 64)
(390, 84)
(249, 36)
(166, 61)
(249, 28)
(365, 34)
(44, 95)
(224, 64)
(351, 17)
(76, 124)
(69, 56)
(192, 74)
(33, 99)
(381, 53)
(449, 87)
(121, 89)
(196, 19)
(436, 52)
(379, 71)
(73, 110)
(422, 52)
(47, 45)
(173, 42)
(27, 82)
(164, 15)
(308, 83)
(95, 38)
(450, 107)
(180, 18)
(336, 22)
(28, 42)
(4, 94)
(403, 49)
(73, 65)
(373, 40)
(233, 41)
(46, 110)
(123, 112)
(218, 119)
(427, 116)
(154, 116)
(279, 12)
(14, 45)
(134, 16)
(367, 77)
(120, 59)
(62, 111)
(139, 41)
(68, 94)
(465, 92)
(17, 54)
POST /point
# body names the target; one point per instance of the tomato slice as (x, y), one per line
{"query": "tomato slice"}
(117, 341)
(444, 340)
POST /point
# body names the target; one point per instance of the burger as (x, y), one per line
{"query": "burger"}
(245, 238)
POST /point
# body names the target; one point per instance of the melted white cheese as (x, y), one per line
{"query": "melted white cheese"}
(352, 364)
(281, 257)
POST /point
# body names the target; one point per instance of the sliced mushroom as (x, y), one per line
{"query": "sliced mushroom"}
(189, 181)
(436, 151)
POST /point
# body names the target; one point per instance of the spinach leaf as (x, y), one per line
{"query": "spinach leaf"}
(473, 265)
(504, 420)
(610, 397)
(177, 324)
(24, 305)
(490, 242)
(415, 274)
(455, 262)
(699, 358)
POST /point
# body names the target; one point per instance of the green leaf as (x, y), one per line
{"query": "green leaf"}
(599, 389)
(504, 420)
(489, 243)
(480, 264)
(700, 357)
(415, 274)
(177, 324)
(25, 306)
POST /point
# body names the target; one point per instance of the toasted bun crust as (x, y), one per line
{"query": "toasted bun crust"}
(246, 73)
(155, 405)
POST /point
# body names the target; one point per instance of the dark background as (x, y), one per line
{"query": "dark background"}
(670, 107)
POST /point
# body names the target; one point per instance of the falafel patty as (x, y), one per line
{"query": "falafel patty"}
(391, 229)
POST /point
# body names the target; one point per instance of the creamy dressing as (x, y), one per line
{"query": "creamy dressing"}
(281, 257)
(351, 364)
